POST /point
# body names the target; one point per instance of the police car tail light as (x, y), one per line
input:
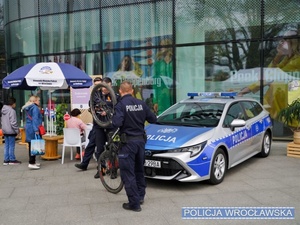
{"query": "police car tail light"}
(194, 150)
(212, 94)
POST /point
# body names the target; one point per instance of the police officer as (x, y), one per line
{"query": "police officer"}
(101, 133)
(130, 116)
(98, 135)
(90, 148)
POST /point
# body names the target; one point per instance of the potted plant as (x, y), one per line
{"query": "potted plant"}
(61, 109)
(290, 116)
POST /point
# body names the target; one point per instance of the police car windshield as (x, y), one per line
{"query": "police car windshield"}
(192, 114)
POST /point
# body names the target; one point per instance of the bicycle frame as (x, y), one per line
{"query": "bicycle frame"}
(110, 179)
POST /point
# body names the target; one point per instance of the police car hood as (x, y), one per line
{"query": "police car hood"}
(163, 137)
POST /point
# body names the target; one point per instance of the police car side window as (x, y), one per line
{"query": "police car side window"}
(249, 109)
(257, 108)
(234, 112)
(252, 108)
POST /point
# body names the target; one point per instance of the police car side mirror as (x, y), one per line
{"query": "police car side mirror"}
(237, 123)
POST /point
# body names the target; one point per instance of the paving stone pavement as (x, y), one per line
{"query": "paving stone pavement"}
(61, 194)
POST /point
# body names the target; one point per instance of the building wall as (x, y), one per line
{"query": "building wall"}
(2, 49)
(173, 46)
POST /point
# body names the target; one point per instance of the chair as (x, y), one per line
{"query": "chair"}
(72, 139)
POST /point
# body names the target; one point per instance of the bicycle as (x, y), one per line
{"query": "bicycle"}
(108, 163)
(98, 105)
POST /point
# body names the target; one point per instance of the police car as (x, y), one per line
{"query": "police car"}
(201, 137)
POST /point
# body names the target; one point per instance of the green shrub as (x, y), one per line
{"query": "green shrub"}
(61, 110)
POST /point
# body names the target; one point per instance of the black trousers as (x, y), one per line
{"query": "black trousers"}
(131, 161)
(90, 148)
(101, 139)
(31, 157)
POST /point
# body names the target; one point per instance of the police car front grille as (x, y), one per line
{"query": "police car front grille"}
(169, 167)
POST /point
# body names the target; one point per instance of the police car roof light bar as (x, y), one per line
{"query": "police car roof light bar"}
(212, 94)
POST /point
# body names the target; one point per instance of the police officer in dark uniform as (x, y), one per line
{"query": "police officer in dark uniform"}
(101, 133)
(130, 116)
(90, 148)
(98, 135)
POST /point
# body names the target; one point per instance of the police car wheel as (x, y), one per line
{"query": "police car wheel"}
(266, 145)
(218, 167)
(100, 106)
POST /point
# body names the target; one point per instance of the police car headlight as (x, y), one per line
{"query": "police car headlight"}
(194, 150)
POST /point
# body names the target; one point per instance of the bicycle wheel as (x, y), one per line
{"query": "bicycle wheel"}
(109, 171)
(98, 105)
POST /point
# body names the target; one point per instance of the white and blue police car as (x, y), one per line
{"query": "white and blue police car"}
(199, 138)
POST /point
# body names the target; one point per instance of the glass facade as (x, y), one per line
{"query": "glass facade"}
(166, 47)
(2, 51)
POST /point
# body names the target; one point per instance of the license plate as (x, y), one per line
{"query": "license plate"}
(152, 163)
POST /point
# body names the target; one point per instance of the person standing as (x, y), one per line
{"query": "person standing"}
(10, 130)
(130, 116)
(90, 148)
(101, 133)
(76, 122)
(33, 121)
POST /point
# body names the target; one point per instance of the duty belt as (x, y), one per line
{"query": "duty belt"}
(125, 138)
(130, 138)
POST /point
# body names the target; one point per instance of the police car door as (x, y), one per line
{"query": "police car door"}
(238, 137)
(252, 121)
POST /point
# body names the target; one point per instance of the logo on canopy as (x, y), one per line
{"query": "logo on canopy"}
(46, 70)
